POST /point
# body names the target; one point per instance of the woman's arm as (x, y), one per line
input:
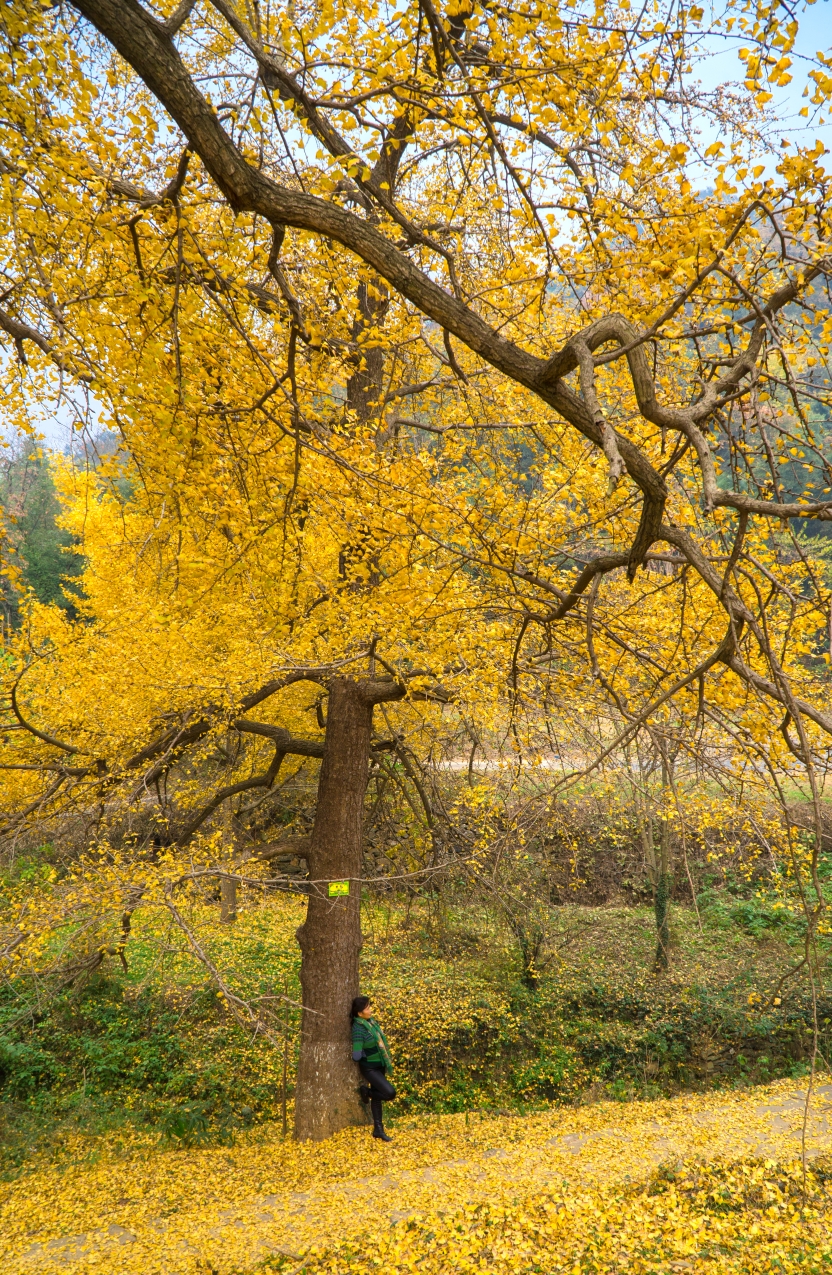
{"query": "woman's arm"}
(359, 1036)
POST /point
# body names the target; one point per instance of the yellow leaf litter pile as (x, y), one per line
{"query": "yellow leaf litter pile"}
(705, 1183)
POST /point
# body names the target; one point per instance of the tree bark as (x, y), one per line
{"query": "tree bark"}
(330, 937)
(664, 883)
(228, 888)
(228, 901)
(662, 908)
(364, 387)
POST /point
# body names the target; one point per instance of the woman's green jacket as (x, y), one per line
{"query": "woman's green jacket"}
(369, 1044)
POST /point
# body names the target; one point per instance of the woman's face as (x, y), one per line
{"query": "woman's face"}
(366, 1013)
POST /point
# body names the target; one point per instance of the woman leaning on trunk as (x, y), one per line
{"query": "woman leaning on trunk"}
(369, 1050)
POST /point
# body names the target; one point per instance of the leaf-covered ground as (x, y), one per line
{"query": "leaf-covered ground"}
(702, 1183)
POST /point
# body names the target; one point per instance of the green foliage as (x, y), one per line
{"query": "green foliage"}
(30, 504)
(756, 916)
(25, 1067)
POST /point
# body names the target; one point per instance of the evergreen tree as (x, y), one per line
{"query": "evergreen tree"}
(31, 510)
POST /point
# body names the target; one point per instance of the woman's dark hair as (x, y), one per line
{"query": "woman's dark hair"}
(359, 1004)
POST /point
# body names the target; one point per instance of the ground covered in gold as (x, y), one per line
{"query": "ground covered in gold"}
(708, 1183)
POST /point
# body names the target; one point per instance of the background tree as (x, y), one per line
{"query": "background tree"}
(44, 550)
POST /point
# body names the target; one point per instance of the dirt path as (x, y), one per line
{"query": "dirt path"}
(202, 1230)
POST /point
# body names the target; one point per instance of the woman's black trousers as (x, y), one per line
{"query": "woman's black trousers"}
(380, 1089)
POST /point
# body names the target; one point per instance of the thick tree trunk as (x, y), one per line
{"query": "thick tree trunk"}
(364, 387)
(330, 937)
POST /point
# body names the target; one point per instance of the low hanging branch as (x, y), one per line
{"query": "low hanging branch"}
(169, 749)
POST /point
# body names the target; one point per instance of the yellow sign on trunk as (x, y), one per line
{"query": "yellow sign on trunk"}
(337, 888)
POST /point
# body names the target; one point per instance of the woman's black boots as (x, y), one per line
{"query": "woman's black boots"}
(378, 1123)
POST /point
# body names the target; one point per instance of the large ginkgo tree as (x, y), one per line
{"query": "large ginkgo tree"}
(430, 337)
